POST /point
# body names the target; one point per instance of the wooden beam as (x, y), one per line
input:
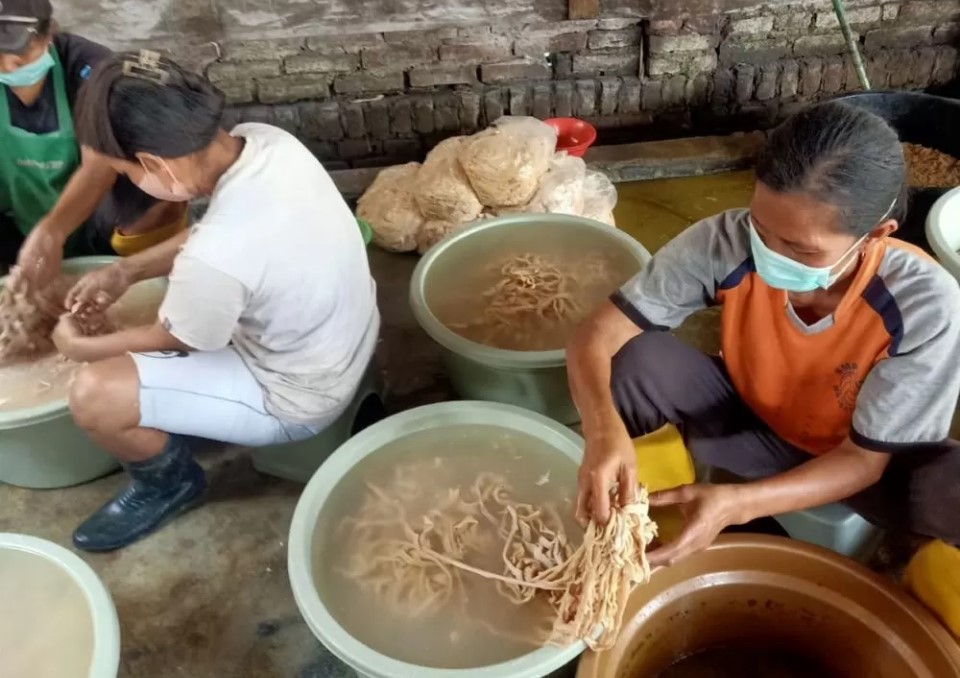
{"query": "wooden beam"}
(584, 9)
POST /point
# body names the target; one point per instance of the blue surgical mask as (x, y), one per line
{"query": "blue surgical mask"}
(783, 273)
(30, 74)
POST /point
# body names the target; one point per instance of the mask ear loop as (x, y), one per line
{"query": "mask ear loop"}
(862, 241)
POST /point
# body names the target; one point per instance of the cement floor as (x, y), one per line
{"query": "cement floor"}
(208, 597)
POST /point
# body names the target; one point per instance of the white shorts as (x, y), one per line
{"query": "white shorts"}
(212, 395)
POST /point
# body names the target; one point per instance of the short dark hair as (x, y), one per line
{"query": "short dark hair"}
(840, 155)
(120, 115)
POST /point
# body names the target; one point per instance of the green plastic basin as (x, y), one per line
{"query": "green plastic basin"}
(310, 514)
(56, 604)
(536, 380)
(41, 447)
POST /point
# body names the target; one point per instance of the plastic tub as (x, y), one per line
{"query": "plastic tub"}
(574, 136)
(754, 592)
(310, 512)
(536, 380)
(36, 568)
(41, 447)
(943, 231)
(923, 119)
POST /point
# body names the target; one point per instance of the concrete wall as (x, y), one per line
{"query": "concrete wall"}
(123, 22)
(372, 82)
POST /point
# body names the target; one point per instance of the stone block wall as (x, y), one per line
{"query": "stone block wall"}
(377, 98)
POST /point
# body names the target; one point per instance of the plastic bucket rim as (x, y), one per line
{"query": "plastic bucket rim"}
(313, 500)
(106, 624)
(58, 408)
(488, 355)
(947, 255)
(911, 608)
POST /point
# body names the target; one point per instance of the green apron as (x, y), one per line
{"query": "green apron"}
(34, 168)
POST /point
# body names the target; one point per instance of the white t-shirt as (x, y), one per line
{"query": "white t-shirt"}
(278, 267)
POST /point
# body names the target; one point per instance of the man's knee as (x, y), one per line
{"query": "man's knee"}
(645, 361)
(104, 394)
(935, 494)
(640, 376)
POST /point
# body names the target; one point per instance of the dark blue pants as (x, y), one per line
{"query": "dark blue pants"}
(657, 379)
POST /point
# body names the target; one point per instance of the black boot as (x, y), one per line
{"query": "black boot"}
(160, 488)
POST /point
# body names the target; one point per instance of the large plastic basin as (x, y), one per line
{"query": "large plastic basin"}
(59, 606)
(310, 513)
(772, 593)
(943, 231)
(41, 447)
(536, 380)
(923, 119)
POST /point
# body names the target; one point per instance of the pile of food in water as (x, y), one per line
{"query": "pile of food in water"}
(28, 318)
(510, 168)
(426, 564)
(928, 168)
(32, 372)
(530, 302)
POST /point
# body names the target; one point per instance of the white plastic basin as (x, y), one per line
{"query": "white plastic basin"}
(943, 230)
(58, 620)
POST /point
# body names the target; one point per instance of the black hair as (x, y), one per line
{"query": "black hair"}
(840, 155)
(167, 111)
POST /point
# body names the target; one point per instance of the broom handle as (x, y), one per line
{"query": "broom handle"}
(852, 45)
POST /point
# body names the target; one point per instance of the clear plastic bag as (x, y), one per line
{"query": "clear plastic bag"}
(599, 197)
(443, 191)
(562, 187)
(391, 210)
(506, 162)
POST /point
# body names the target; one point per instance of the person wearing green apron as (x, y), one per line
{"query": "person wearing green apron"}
(52, 202)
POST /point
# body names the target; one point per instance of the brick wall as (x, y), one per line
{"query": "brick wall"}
(378, 98)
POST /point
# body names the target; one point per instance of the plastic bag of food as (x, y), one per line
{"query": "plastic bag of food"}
(599, 197)
(562, 187)
(391, 210)
(532, 207)
(443, 191)
(432, 233)
(506, 162)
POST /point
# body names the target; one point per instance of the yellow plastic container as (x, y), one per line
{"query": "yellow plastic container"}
(662, 464)
(933, 576)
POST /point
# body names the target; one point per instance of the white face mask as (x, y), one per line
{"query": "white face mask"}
(152, 185)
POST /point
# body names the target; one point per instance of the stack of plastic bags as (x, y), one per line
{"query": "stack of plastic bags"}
(509, 168)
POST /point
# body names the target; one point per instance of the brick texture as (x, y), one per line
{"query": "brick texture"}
(515, 70)
(363, 99)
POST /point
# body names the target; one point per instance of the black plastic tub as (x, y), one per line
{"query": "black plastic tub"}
(923, 119)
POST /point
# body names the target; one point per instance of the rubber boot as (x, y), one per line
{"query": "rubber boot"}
(159, 489)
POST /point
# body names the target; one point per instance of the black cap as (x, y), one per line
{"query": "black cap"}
(21, 21)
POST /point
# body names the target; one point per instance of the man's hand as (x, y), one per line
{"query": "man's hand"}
(608, 464)
(40, 257)
(707, 510)
(98, 290)
(69, 340)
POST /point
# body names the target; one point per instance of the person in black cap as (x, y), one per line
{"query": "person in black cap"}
(53, 201)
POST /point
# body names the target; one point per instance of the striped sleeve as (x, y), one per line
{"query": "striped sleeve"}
(910, 397)
(684, 276)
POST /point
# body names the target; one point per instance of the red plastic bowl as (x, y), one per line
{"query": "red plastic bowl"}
(573, 135)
